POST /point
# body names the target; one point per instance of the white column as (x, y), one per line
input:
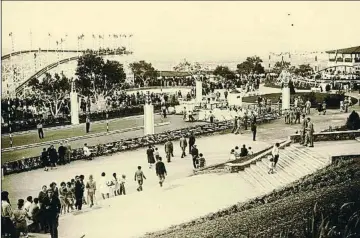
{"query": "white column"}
(74, 106)
(198, 91)
(285, 97)
(149, 126)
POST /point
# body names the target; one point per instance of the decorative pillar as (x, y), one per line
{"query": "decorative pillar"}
(149, 125)
(74, 105)
(198, 91)
(285, 90)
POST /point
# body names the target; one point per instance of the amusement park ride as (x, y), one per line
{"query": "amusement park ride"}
(19, 67)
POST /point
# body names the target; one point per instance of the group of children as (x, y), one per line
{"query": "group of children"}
(237, 152)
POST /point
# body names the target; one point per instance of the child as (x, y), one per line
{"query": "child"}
(122, 185)
(271, 165)
(232, 155)
(250, 152)
(139, 176)
(202, 161)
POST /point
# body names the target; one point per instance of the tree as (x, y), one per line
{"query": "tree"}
(98, 79)
(192, 68)
(279, 66)
(224, 72)
(304, 70)
(143, 72)
(251, 65)
(51, 91)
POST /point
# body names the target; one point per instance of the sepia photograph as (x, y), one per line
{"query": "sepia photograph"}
(180, 119)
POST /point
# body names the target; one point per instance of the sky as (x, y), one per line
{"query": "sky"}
(197, 31)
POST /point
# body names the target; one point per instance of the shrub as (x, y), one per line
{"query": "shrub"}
(327, 88)
(353, 121)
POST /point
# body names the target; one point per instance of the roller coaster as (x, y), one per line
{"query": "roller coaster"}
(21, 66)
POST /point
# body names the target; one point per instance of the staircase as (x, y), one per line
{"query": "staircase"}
(295, 162)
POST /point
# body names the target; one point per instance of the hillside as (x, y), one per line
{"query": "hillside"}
(290, 209)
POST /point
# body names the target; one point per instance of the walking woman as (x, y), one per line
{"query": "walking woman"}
(19, 216)
(7, 226)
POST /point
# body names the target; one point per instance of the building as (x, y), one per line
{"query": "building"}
(345, 60)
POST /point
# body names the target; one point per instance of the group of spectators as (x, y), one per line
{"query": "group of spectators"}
(237, 152)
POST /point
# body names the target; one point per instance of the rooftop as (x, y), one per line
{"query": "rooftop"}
(351, 50)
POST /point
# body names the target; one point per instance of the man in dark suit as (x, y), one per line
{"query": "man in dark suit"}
(191, 142)
(254, 129)
(160, 171)
(244, 151)
(52, 208)
(61, 152)
(195, 155)
(79, 192)
(87, 124)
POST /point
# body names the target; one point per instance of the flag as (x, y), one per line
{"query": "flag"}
(10, 34)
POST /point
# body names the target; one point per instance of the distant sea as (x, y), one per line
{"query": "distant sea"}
(295, 59)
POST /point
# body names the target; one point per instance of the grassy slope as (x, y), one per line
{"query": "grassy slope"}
(271, 214)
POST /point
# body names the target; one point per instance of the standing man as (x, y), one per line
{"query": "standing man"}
(168, 146)
(226, 94)
(79, 193)
(246, 118)
(195, 155)
(307, 107)
(191, 142)
(87, 124)
(53, 156)
(235, 125)
(183, 145)
(160, 171)
(67, 152)
(39, 126)
(297, 115)
(52, 208)
(303, 130)
(253, 130)
(61, 152)
(309, 133)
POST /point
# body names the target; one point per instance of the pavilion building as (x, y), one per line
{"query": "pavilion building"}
(345, 60)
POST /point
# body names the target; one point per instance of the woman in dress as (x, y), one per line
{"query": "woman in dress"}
(63, 198)
(104, 186)
(70, 197)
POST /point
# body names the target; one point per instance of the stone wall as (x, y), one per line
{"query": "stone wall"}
(329, 136)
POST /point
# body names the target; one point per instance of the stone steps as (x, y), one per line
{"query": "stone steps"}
(294, 163)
